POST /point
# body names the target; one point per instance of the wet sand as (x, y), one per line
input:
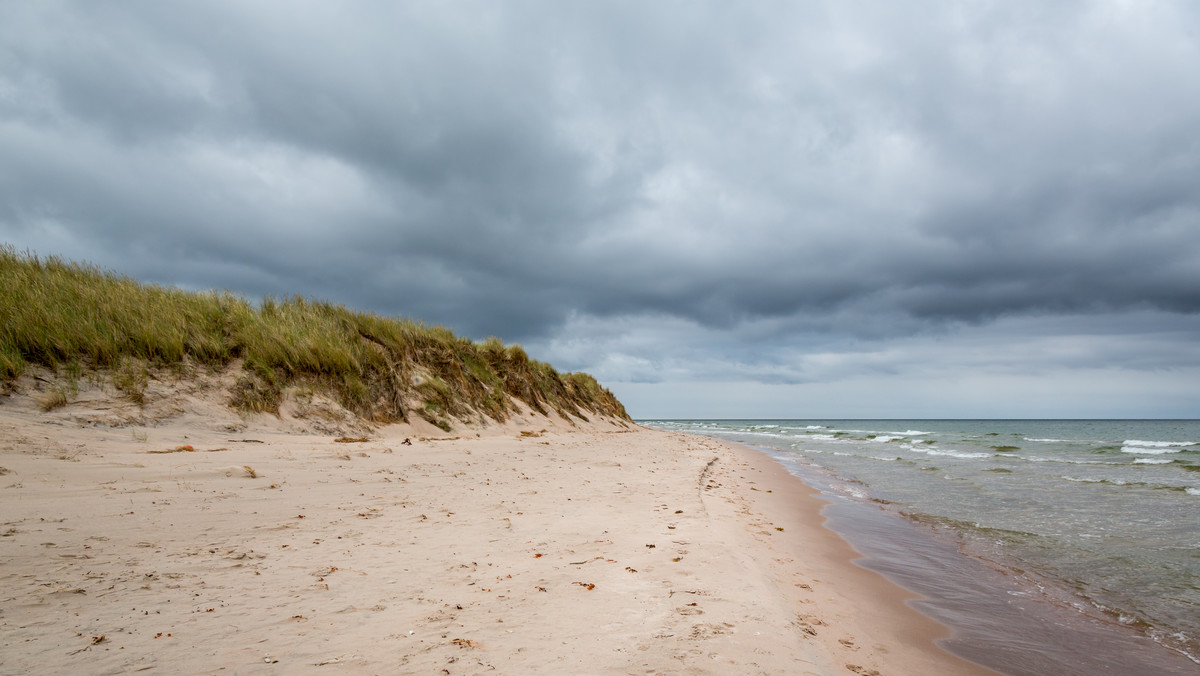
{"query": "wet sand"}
(199, 542)
(1002, 619)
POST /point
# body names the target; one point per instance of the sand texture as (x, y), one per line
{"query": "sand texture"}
(199, 542)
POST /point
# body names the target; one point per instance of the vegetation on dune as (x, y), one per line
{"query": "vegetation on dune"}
(69, 316)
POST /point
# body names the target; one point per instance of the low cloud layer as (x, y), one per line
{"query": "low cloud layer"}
(785, 196)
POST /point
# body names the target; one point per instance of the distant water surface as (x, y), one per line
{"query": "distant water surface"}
(1098, 518)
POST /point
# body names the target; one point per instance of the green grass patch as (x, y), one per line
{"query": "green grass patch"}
(78, 317)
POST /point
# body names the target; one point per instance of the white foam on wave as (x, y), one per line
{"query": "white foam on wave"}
(1154, 447)
(1034, 458)
(815, 427)
(1113, 482)
(914, 433)
(884, 438)
(1047, 441)
(1192, 491)
(1152, 461)
(853, 491)
(821, 437)
(951, 454)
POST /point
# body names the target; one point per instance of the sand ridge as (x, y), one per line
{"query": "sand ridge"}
(187, 548)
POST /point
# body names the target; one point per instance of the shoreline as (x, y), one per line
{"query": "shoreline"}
(829, 557)
(1001, 618)
(261, 548)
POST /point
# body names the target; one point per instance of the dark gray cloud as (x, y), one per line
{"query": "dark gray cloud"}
(787, 194)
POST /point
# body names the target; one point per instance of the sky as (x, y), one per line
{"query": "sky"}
(719, 209)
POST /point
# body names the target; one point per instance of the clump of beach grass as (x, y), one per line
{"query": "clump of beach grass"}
(55, 398)
(55, 313)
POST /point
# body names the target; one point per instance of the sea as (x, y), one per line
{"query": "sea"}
(1047, 546)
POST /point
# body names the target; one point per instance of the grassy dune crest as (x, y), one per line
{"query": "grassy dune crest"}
(76, 318)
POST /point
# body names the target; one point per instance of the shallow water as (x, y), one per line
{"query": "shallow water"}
(1083, 537)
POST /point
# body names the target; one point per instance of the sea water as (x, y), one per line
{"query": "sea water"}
(1082, 536)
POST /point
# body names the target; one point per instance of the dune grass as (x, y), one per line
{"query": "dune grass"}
(74, 317)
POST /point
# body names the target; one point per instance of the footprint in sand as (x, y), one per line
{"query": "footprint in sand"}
(706, 631)
(808, 622)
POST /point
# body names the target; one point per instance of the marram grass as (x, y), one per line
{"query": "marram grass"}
(70, 316)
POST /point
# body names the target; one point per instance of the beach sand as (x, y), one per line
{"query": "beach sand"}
(182, 538)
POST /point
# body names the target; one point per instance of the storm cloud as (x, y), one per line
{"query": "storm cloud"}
(973, 208)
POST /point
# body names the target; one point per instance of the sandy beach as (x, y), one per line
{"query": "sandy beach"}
(188, 539)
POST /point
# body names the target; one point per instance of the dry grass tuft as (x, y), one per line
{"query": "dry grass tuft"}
(56, 398)
(177, 449)
(131, 377)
